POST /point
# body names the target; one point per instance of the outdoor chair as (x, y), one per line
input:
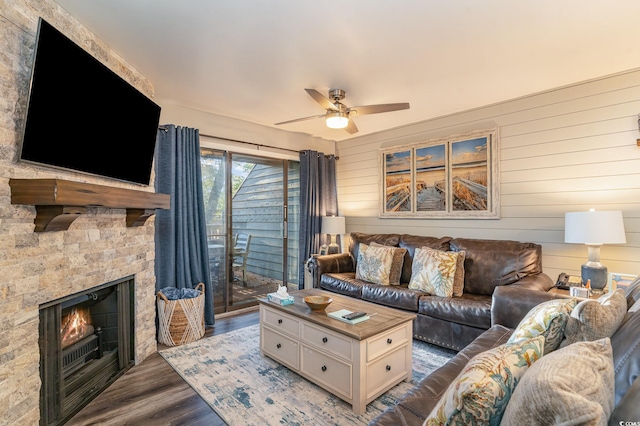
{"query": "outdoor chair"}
(240, 253)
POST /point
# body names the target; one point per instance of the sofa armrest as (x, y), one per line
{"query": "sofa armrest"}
(540, 282)
(331, 263)
(510, 303)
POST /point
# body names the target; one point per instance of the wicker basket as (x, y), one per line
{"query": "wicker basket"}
(182, 320)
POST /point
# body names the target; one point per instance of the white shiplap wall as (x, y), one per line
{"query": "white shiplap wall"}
(567, 149)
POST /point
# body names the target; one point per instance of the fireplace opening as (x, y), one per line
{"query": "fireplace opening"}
(86, 343)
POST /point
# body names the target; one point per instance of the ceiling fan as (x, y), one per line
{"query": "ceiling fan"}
(338, 115)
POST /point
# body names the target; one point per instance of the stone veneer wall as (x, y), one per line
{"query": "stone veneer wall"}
(39, 267)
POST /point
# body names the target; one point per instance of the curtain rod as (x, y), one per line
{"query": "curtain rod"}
(246, 143)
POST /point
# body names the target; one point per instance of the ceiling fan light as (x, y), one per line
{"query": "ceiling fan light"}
(337, 119)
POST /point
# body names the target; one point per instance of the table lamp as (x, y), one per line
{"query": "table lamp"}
(333, 225)
(594, 228)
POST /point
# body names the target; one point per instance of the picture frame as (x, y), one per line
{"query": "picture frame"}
(618, 280)
(452, 177)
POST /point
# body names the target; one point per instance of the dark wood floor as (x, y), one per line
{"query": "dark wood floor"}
(152, 393)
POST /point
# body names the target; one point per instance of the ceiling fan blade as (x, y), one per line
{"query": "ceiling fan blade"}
(300, 119)
(321, 99)
(351, 127)
(376, 109)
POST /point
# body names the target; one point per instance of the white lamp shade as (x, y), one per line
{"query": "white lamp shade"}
(594, 227)
(333, 225)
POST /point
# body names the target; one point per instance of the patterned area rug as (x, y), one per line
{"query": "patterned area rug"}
(247, 389)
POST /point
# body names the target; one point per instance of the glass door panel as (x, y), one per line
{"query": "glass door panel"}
(252, 205)
(214, 176)
(293, 224)
(257, 212)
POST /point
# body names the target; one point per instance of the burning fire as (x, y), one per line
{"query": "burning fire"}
(75, 326)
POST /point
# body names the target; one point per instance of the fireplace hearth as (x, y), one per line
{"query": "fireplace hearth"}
(86, 343)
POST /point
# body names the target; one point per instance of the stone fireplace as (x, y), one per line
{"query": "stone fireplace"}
(38, 268)
(85, 344)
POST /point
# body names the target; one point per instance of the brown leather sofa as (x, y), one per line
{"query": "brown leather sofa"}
(509, 306)
(449, 322)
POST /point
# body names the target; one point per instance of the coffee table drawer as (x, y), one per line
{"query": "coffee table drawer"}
(387, 370)
(280, 347)
(326, 371)
(281, 322)
(387, 342)
(328, 340)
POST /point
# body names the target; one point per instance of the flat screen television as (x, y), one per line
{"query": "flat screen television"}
(82, 116)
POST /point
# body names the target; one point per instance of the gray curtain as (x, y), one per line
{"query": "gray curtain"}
(182, 260)
(317, 198)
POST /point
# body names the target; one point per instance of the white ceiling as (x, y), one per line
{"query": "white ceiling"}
(252, 59)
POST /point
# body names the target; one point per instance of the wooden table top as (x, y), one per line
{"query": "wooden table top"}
(384, 318)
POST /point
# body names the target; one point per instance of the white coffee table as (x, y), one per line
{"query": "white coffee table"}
(355, 362)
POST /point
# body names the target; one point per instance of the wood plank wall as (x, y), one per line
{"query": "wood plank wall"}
(567, 149)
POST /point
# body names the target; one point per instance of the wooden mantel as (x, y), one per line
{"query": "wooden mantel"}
(59, 202)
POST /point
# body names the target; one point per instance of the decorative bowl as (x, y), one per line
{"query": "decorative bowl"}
(317, 303)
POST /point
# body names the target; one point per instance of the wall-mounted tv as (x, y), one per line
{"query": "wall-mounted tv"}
(81, 116)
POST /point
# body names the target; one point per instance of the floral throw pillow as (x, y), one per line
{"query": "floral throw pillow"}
(396, 265)
(433, 271)
(481, 392)
(547, 319)
(374, 264)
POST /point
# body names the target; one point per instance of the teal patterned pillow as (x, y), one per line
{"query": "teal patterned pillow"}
(374, 264)
(547, 319)
(433, 271)
(481, 392)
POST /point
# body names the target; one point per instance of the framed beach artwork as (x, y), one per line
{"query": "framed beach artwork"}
(453, 177)
(397, 181)
(618, 280)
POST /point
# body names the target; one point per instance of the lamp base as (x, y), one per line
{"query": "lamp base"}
(333, 248)
(597, 275)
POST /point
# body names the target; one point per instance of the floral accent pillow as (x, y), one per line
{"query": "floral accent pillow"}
(548, 319)
(396, 265)
(433, 271)
(481, 392)
(374, 264)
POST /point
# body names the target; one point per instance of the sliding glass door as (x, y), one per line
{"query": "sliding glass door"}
(254, 244)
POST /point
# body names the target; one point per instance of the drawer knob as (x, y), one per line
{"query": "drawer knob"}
(278, 346)
(279, 321)
(389, 341)
(325, 340)
(324, 368)
(388, 368)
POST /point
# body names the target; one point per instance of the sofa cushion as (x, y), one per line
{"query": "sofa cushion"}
(374, 264)
(399, 297)
(481, 392)
(595, 319)
(434, 271)
(490, 263)
(357, 238)
(411, 243)
(470, 309)
(342, 283)
(396, 265)
(572, 386)
(547, 319)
